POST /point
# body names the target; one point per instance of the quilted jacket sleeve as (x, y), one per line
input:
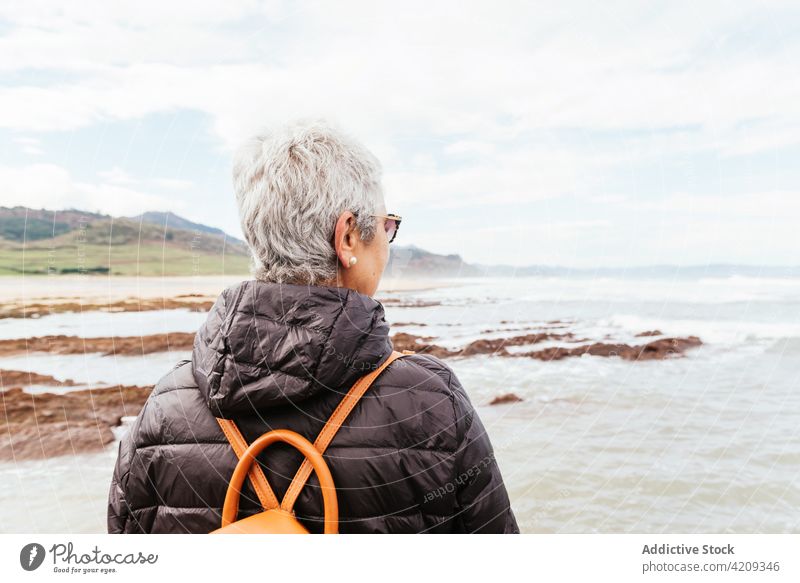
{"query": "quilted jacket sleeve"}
(120, 516)
(483, 504)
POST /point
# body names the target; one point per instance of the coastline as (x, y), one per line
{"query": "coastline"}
(565, 377)
(102, 289)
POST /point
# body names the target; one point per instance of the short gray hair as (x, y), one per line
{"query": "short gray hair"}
(292, 182)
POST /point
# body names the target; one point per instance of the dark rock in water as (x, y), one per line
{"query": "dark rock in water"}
(37, 310)
(483, 346)
(16, 378)
(493, 346)
(655, 350)
(410, 303)
(497, 345)
(403, 341)
(36, 426)
(61, 344)
(650, 333)
(667, 347)
(507, 398)
(26, 442)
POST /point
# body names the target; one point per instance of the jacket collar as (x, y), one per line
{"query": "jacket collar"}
(269, 344)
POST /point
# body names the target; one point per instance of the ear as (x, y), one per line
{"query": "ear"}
(345, 237)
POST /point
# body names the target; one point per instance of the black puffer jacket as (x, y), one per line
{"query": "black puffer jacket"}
(413, 455)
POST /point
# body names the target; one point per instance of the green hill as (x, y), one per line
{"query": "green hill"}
(39, 241)
(174, 221)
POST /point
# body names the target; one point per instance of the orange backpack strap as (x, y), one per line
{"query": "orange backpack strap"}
(257, 477)
(263, 490)
(332, 426)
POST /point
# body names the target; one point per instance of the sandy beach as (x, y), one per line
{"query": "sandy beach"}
(101, 289)
(38, 296)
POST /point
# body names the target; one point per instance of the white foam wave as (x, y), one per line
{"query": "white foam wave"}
(710, 331)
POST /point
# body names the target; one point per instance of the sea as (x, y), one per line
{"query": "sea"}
(704, 443)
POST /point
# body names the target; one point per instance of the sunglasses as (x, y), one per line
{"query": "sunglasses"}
(391, 224)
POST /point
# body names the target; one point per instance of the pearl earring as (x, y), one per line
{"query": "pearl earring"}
(353, 261)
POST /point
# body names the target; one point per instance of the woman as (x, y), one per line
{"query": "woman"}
(281, 350)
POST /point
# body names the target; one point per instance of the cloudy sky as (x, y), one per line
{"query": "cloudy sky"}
(571, 133)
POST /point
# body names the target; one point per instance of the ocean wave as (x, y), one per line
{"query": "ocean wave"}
(704, 290)
(710, 331)
(785, 346)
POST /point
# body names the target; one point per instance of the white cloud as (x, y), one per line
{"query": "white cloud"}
(518, 176)
(555, 242)
(116, 175)
(779, 205)
(445, 69)
(121, 177)
(52, 187)
(470, 148)
(465, 103)
(172, 183)
(30, 146)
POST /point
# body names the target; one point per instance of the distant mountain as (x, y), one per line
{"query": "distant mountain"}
(20, 223)
(163, 243)
(74, 241)
(170, 219)
(410, 260)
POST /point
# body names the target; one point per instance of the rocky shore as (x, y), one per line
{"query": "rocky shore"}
(20, 378)
(37, 426)
(193, 302)
(39, 296)
(182, 341)
(654, 350)
(113, 345)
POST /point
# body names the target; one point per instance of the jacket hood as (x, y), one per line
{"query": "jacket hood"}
(269, 344)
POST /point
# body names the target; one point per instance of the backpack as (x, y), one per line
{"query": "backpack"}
(278, 518)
